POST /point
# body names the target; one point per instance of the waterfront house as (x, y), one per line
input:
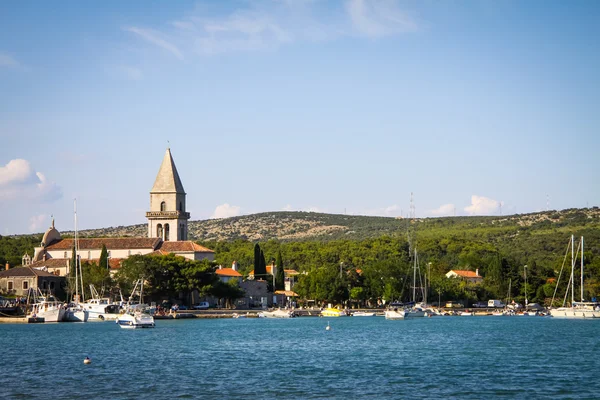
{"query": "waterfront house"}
(18, 281)
(470, 276)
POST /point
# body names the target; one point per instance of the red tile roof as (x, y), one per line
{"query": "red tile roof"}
(228, 272)
(110, 243)
(52, 263)
(183, 246)
(466, 274)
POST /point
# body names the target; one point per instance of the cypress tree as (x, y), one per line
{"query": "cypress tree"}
(259, 270)
(263, 264)
(279, 276)
(103, 262)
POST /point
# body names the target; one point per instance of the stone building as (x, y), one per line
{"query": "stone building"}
(18, 281)
(167, 232)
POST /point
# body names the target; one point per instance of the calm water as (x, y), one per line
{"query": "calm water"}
(449, 357)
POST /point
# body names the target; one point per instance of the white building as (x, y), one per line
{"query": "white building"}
(167, 231)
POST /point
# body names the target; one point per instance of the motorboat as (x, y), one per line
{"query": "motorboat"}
(134, 318)
(101, 308)
(279, 313)
(395, 313)
(363, 314)
(332, 312)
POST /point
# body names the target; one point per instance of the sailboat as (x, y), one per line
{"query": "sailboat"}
(416, 311)
(581, 309)
(75, 311)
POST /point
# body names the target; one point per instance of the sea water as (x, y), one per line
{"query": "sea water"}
(369, 357)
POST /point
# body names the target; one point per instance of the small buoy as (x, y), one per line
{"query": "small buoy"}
(327, 328)
(87, 360)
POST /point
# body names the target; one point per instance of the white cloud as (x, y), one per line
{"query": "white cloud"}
(18, 180)
(443, 210)
(313, 209)
(8, 61)
(156, 38)
(481, 205)
(287, 207)
(226, 211)
(37, 223)
(379, 18)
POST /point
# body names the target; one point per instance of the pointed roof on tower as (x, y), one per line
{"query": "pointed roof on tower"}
(167, 180)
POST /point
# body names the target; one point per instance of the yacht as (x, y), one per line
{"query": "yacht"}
(101, 308)
(135, 317)
(332, 312)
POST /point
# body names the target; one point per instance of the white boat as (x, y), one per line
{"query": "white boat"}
(363, 314)
(45, 307)
(136, 315)
(466, 314)
(75, 311)
(135, 318)
(279, 313)
(395, 313)
(101, 308)
(581, 309)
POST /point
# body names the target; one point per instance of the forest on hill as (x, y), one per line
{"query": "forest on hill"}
(328, 250)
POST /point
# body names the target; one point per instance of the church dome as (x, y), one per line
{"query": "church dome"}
(51, 236)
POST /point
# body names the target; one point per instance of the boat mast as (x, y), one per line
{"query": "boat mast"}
(582, 268)
(414, 277)
(572, 269)
(76, 253)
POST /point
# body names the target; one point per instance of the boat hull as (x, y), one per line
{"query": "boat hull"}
(127, 321)
(573, 313)
(395, 314)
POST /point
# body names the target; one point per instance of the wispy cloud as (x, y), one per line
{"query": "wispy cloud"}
(225, 211)
(377, 18)
(259, 26)
(481, 205)
(18, 180)
(157, 39)
(389, 211)
(443, 211)
(8, 61)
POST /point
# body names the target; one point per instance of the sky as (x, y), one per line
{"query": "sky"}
(476, 107)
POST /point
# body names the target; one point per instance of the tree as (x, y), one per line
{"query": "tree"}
(279, 276)
(259, 270)
(103, 262)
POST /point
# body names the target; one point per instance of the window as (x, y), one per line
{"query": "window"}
(180, 206)
(45, 285)
(10, 285)
(89, 255)
(163, 206)
(25, 285)
(182, 230)
(166, 232)
(159, 230)
(51, 285)
(129, 253)
(109, 254)
(65, 255)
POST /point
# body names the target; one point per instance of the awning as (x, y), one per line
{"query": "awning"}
(288, 293)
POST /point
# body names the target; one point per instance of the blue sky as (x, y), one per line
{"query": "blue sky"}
(478, 107)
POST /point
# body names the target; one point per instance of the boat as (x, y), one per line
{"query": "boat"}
(101, 308)
(578, 309)
(136, 315)
(332, 312)
(466, 314)
(363, 314)
(44, 307)
(75, 311)
(395, 313)
(278, 313)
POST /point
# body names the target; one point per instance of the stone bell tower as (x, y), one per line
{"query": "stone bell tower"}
(167, 217)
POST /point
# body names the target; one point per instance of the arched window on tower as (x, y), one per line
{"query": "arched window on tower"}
(159, 230)
(182, 232)
(180, 206)
(166, 232)
(163, 206)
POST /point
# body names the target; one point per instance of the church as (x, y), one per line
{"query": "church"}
(167, 232)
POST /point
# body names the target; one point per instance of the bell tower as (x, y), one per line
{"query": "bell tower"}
(167, 217)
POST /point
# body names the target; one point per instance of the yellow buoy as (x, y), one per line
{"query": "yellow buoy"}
(87, 360)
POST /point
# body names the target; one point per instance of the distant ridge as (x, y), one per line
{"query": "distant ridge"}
(300, 226)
